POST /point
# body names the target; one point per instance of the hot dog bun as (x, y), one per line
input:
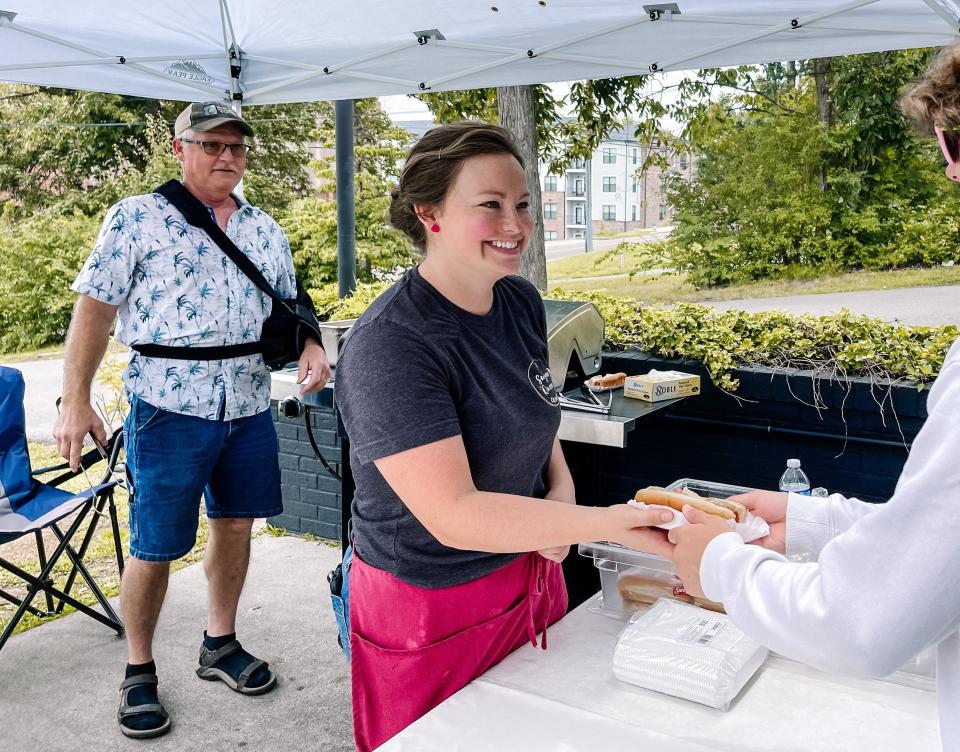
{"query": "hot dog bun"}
(638, 591)
(658, 495)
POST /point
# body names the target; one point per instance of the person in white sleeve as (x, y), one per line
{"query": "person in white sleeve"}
(884, 583)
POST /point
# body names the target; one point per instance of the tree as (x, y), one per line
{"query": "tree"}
(517, 111)
(778, 188)
(58, 140)
(311, 223)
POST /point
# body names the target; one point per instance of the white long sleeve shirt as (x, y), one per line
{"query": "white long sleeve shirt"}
(886, 583)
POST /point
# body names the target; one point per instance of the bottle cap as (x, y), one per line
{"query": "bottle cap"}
(793, 463)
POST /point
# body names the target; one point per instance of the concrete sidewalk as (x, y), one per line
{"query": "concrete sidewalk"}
(59, 682)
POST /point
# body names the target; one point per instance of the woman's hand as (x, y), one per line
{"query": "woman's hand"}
(691, 541)
(772, 507)
(632, 527)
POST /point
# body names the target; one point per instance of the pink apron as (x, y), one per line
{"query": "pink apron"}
(411, 647)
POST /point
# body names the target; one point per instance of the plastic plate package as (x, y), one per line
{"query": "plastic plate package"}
(687, 652)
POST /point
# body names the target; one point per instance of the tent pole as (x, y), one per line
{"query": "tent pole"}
(346, 206)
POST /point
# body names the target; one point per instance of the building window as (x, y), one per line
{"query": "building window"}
(663, 212)
(550, 210)
(609, 155)
(634, 155)
(578, 187)
(550, 183)
(609, 184)
(578, 215)
(634, 189)
(633, 213)
(683, 161)
(609, 211)
(549, 234)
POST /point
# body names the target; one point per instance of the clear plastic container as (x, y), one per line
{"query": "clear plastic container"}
(645, 577)
(794, 480)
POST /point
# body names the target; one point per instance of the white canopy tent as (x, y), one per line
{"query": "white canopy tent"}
(269, 51)
(272, 51)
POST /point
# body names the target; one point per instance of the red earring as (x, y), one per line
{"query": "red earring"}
(434, 227)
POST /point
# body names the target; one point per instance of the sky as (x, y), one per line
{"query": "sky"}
(402, 107)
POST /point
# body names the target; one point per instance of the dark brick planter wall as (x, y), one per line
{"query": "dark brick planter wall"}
(713, 437)
(312, 498)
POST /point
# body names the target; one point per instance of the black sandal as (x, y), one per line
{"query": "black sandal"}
(131, 711)
(208, 670)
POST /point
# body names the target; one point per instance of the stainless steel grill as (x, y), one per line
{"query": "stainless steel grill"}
(575, 335)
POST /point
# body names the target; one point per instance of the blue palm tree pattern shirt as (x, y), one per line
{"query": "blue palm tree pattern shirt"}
(174, 286)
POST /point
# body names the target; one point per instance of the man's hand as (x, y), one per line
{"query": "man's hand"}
(72, 426)
(691, 541)
(314, 370)
(772, 507)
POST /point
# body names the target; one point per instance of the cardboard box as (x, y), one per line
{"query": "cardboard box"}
(661, 385)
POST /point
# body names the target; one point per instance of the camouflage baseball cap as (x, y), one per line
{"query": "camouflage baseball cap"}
(204, 116)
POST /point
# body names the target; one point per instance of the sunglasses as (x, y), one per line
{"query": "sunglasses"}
(215, 148)
(950, 146)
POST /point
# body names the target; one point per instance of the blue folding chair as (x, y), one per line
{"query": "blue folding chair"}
(29, 506)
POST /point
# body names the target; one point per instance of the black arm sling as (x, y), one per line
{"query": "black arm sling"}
(290, 321)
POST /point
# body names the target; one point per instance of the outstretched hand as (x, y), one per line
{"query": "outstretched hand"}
(633, 528)
(691, 541)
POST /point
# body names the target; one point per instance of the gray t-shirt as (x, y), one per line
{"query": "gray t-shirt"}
(416, 369)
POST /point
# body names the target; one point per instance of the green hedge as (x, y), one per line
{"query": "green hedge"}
(39, 259)
(843, 344)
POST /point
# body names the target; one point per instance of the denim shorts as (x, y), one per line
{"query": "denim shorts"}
(172, 459)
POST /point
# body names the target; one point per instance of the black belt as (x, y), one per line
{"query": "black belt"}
(218, 352)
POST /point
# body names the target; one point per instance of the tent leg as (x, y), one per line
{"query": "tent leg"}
(346, 203)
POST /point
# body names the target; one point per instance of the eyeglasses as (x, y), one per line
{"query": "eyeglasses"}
(950, 146)
(215, 148)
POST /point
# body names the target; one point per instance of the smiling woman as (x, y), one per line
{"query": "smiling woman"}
(464, 506)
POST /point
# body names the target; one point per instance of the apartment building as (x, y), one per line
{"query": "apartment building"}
(621, 196)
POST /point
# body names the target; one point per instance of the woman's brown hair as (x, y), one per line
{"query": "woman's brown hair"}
(935, 99)
(432, 166)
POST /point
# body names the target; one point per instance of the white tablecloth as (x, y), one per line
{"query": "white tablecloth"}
(567, 700)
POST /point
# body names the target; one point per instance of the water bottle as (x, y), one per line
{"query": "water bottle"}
(794, 479)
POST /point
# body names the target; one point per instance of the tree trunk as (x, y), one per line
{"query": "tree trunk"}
(517, 113)
(821, 67)
(792, 74)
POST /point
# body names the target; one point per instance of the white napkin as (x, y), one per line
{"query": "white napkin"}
(752, 528)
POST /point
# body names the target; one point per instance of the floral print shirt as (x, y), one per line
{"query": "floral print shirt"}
(174, 286)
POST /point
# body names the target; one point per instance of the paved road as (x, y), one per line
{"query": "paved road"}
(44, 380)
(59, 680)
(920, 306)
(558, 249)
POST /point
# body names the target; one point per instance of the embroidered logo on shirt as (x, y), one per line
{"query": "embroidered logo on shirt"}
(540, 380)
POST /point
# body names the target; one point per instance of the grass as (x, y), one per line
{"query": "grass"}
(674, 288)
(602, 263)
(44, 353)
(100, 558)
(623, 233)
(52, 352)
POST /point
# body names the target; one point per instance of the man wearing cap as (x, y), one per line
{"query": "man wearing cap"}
(195, 427)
